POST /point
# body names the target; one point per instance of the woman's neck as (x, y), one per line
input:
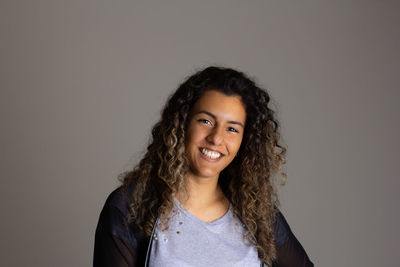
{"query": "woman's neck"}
(204, 198)
(201, 192)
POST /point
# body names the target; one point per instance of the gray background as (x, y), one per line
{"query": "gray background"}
(82, 82)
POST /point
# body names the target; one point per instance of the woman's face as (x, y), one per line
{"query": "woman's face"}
(214, 133)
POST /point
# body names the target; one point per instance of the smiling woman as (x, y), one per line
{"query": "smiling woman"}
(205, 192)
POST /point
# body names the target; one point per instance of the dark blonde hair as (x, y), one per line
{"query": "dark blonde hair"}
(249, 181)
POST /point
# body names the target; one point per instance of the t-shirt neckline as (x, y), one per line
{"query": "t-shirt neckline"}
(187, 213)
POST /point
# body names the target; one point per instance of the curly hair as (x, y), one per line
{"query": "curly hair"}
(249, 182)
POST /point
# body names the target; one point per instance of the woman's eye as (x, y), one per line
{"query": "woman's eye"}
(231, 129)
(205, 121)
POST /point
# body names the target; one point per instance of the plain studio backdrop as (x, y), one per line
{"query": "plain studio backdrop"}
(82, 83)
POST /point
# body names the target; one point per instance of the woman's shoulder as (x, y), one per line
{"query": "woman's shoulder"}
(117, 239)
(120, 198)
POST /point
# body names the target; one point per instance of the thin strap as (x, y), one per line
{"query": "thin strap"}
(146, 263)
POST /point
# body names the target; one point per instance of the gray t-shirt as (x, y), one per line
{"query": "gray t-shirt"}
(189, 241)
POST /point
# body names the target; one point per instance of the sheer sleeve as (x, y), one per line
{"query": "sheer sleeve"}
(110, 249)
(115, 246)
(290, 252)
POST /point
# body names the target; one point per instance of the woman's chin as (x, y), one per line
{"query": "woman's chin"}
(204, 174)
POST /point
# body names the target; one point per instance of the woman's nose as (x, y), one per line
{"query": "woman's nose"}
(216, 136)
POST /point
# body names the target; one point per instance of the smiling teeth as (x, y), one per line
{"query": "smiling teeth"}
(210, 154)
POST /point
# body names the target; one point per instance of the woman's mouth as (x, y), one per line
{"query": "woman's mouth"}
(213, 155)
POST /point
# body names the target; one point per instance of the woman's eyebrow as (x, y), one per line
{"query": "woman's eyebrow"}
(215, 117)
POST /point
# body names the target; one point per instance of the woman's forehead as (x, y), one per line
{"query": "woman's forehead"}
(220, 105)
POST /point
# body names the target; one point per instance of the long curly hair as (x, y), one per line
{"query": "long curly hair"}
(250, 181)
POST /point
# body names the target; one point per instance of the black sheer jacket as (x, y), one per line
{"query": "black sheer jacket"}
(120, 244)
